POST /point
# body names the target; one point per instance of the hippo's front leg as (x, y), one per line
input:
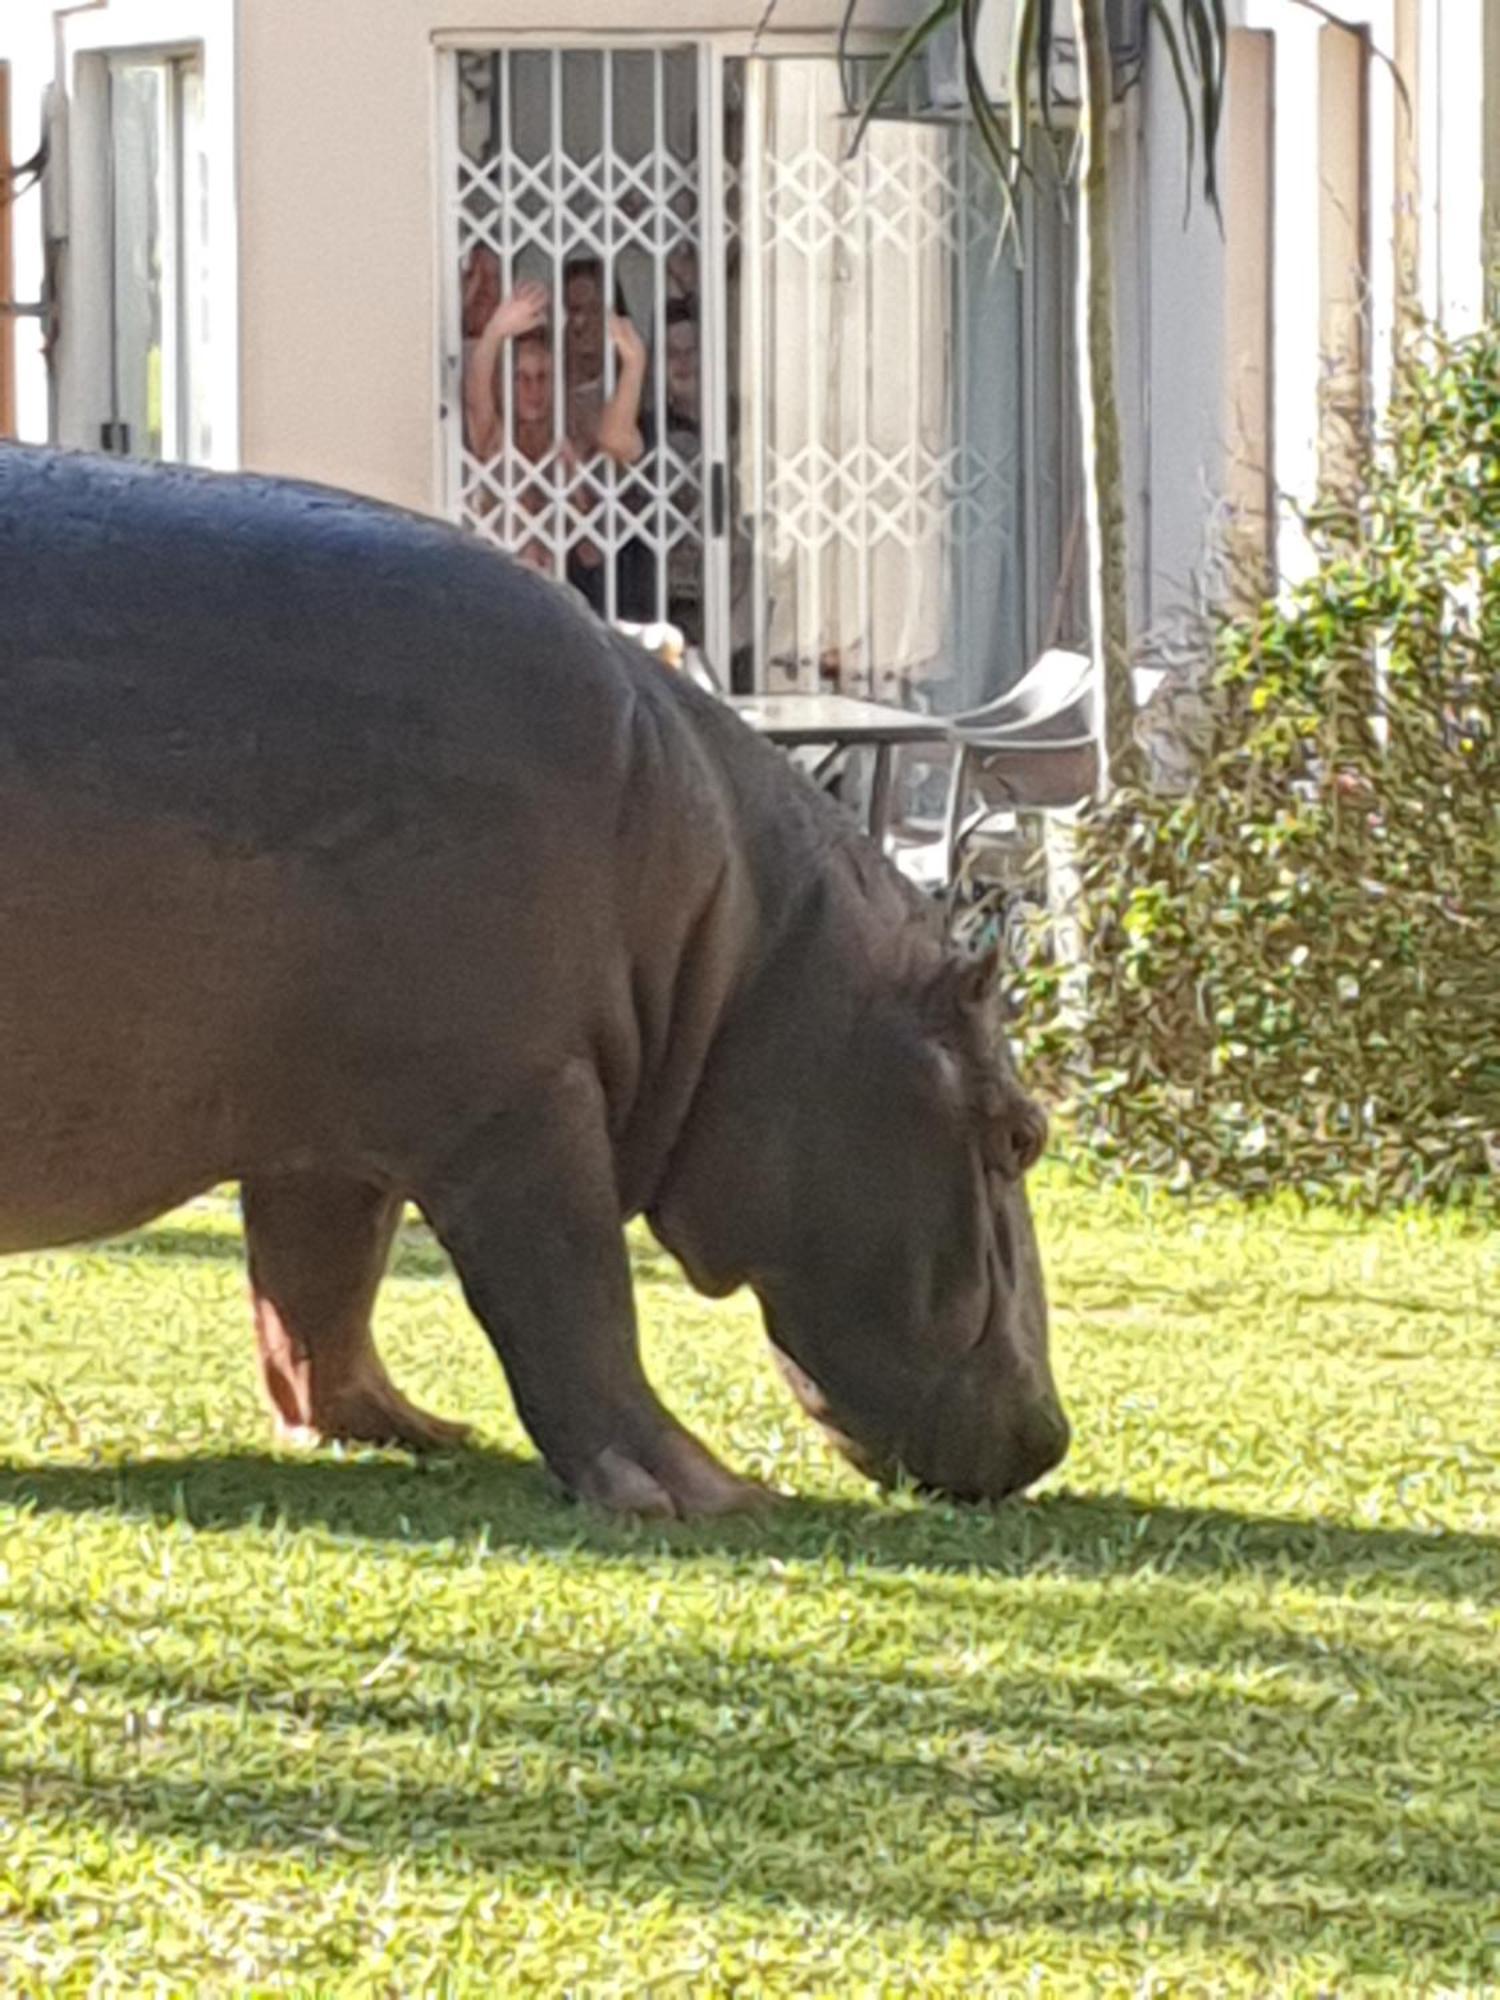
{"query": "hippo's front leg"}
(530, 1215)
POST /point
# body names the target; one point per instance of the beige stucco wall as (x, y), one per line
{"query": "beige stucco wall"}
(69, 47)
(26, 47)
(1404, 52)
(339, 203)
(1175, 270)
(1342, 228)
(1492, 148)
(1248, 193)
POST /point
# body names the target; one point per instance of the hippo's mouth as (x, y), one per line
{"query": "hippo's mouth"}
(874, 1464)
(954, 1464)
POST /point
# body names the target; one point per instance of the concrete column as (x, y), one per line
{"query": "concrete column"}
(1405, 45)
(1343, 236)
(1298, 320)
(1249, 199)
(7, 267)
(1384, 129)
(1452, 155)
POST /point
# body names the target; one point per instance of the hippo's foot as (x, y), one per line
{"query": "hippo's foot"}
(317, 1246)
(666, 1474)
(529, 1211)
(367, 1410)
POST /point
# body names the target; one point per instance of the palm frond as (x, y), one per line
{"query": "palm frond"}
(1005, 158)
(1194, 36)
(1173, 47)
(1045, 33)
(896, 64)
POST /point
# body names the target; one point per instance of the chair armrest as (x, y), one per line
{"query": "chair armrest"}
(1030, 745)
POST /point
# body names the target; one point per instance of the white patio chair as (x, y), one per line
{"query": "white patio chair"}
(1030, 750)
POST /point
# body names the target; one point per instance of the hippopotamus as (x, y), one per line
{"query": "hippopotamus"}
(344, 858)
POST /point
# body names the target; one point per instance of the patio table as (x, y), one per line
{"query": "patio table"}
(843, 723)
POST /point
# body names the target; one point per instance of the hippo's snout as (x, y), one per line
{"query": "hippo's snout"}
(1028, 1448)
(961, 1445)
(1046, 1435)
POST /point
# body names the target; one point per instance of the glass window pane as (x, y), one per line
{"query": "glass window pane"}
(195, 442)
(160, 291)
(882, 420)
(138, 150)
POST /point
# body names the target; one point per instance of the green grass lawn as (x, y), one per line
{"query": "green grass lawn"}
(1217, 1710)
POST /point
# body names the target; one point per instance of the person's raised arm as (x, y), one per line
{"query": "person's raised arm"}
(620, 420)
(524, 309)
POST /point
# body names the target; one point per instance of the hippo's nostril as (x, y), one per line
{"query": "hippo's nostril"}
(1045, 1437)
(998, 1462)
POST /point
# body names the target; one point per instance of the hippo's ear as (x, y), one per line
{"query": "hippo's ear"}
(965, 985)
(958, 1000)
(977, 978)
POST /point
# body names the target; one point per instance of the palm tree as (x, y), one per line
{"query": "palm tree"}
(1193, 35)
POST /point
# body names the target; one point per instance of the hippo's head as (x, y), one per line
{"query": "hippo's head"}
(863, 1170)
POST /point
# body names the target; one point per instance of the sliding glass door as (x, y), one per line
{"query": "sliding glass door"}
(158, 292)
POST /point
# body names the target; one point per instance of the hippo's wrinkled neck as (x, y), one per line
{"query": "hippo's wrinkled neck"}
(813, 866)
(761, 1141)
(803, 924)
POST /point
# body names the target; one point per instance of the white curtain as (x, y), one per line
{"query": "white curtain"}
(881, 374)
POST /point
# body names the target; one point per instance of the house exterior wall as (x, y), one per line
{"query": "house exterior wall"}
(1451, 126)
(1248, 384)
(7, 323)
(69, 46)
(342, 374)
(26, 44)
(324, 124)
(1343, 261)
(1175, 285)
(1381, 115)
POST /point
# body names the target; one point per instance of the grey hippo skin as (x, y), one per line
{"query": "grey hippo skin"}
(342, 857)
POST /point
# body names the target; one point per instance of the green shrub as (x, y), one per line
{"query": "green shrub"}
(1293, 972)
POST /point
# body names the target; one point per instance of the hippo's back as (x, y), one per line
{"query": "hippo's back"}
(269, 659)
(320, 824)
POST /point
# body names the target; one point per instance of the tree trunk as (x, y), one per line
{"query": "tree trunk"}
(1120, 758)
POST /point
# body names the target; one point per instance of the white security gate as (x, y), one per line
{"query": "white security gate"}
(581, 435)
(737, 378)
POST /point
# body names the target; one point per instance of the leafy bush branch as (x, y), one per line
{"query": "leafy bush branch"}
(1293, 973)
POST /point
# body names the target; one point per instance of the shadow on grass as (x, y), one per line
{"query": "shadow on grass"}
(1254, 1781)
(417, 1253)
(838, 1784)
(509, 1503)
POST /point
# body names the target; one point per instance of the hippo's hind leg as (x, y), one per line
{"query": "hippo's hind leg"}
(530, 1214)
(317, 1247)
